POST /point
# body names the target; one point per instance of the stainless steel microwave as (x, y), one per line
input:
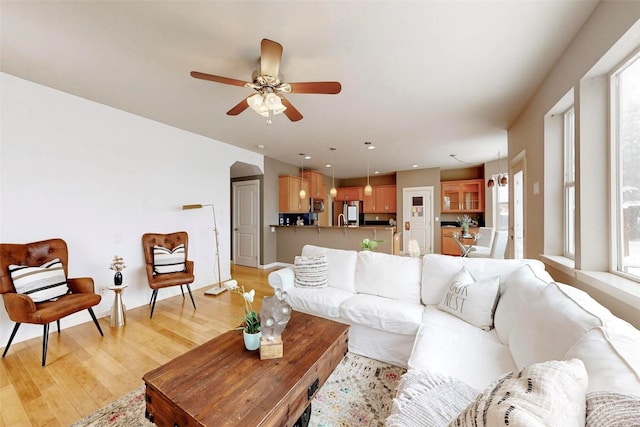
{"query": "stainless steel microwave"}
(316, 205)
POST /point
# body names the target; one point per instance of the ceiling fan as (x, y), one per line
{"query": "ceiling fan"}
(270, 88)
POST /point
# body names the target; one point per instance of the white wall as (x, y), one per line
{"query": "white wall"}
(99, 178)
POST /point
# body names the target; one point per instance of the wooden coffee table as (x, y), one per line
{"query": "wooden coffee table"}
(219, 383)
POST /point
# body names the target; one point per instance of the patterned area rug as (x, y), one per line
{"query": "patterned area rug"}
(358, 393)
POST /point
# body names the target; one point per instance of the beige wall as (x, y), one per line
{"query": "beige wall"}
(420, 178)
(272, 170)
(581, 68)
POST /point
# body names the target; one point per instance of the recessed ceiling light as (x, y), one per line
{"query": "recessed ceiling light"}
(328, 165)
(414, 166)
(376, 172)
(307, 157)
(260, 146)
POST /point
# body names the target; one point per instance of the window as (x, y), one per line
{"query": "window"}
(569, 184)
(502, 206)
(625, 125)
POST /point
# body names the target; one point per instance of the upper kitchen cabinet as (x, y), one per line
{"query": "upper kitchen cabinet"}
(317, 189)
(382, 200)
(289, 194)
(347, 194)
(462, 196)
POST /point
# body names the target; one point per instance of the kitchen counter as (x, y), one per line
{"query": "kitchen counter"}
(291, 239)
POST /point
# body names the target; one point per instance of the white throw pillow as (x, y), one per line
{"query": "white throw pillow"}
(169, 260)
(341, 266)
(310, 271)
(550, 325)
(40, 283)
(389, 276)
(517, 290)
(548, 394)
(471, 301)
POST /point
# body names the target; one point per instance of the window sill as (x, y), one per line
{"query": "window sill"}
(620, 288)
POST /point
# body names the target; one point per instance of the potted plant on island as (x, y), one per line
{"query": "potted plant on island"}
(250, 321)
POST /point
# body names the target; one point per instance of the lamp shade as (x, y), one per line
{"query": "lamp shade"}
(368, 190)
(333, 192)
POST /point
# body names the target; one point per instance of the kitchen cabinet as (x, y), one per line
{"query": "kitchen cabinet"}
(448, 246)
(382, 200)
(346, 194)
(289, 194)
(462, 196)
(317, 189)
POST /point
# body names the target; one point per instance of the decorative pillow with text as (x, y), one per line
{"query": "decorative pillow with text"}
(168, 260)
(42, 283)
(474, 302)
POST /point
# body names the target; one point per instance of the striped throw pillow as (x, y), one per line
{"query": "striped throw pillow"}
(169, 261)
(310, 271)
(42, 283)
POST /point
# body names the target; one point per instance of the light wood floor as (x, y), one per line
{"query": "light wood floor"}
(85, 371)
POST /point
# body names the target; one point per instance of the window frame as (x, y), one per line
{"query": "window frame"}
(615, 199)
(569, 184)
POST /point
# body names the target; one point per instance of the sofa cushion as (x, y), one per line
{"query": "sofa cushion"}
(310, 271)
(545, 394)
(607, 409)
(438, 270)
(550, 325)
(447, 345)
(612, 358)
(400, 317)
(427, 399)
(516, 291)
(341, 266)
(389, 276)
(472, 301)
(323, 302)
(42, 283)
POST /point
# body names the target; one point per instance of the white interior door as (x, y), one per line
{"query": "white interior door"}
(516, 235)
(417, 218)
(246, 224)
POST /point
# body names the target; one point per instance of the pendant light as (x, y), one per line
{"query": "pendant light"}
(303, 194)
(367, 189)
(333, 192)
(500, 179)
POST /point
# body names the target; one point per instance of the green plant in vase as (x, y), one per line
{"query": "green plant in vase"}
(464, 224)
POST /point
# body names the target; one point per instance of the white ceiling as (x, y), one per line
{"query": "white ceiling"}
(420, 79)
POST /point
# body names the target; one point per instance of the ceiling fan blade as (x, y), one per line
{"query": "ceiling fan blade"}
(316, 87)
(270, 54)
(239, 108)
(291, 112)
(219, 79)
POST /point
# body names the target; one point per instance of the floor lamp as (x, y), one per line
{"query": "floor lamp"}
(219, 289)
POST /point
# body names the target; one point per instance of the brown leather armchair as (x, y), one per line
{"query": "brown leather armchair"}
(22, 309)
(157, 281)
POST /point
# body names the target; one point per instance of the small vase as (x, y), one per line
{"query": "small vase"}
(465, 229)
(117, 278)
(251, 341)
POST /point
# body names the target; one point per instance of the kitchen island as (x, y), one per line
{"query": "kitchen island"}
(291, 239)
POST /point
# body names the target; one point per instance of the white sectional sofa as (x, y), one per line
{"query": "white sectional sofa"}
(406, 311)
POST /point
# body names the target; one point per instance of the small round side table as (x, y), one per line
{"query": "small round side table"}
(117, 311)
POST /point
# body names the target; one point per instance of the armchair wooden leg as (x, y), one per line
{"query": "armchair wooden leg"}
(45, 344)
(191, 295)
(13, 334)
(182, 290)
(95, 320)
(58, 325)
(154, 295)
